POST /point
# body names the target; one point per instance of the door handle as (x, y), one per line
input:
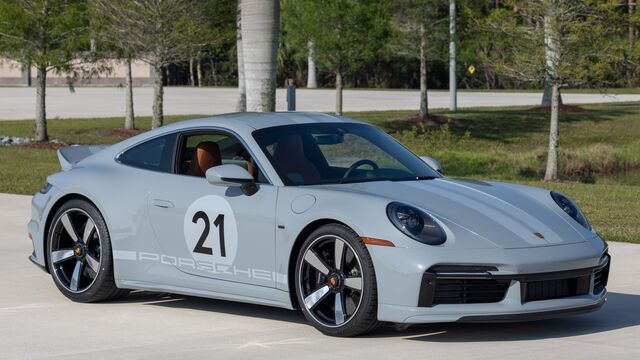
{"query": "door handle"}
(165, 204)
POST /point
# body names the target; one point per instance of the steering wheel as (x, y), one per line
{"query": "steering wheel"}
(359, 163)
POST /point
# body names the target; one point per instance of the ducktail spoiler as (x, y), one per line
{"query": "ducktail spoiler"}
(70, 156)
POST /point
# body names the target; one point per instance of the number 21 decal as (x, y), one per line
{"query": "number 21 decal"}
(219, 223)
(206, 219)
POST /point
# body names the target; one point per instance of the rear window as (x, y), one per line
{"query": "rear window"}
(155, 154)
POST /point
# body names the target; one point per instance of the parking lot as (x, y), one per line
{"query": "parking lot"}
(36, 321)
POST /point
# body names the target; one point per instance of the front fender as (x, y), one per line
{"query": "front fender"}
(365, 214)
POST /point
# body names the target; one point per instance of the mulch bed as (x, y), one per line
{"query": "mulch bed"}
(563, 108)
(46, 145)
(119, 132)
(429, 120)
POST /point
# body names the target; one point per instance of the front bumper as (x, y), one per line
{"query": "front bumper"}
(40, 207)
(533, 316)
(33, 260)
(401, 286)
(507, 310)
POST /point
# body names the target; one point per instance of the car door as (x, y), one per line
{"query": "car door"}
(212, 230)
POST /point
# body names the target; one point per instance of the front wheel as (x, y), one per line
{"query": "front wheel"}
(336, 283)
(79, 253)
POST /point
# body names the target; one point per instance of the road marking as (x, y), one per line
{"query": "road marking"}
(25, 307)
(268, 344)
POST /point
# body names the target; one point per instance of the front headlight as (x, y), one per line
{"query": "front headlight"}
(570, 208)
(415, 223)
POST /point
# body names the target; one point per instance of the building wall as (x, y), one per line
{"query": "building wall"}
(12, 73)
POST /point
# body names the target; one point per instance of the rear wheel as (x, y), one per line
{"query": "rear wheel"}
(335, 282)
(80, 257)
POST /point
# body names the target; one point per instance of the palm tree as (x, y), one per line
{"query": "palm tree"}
(260, 22)
(241, 105)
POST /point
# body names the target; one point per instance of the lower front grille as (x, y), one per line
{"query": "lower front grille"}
(470, 284)
(469, 291)
(555, 289)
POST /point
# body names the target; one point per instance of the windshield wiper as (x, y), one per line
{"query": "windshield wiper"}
(356, 180)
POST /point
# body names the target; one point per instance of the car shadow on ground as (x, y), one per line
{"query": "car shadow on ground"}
(620, 311)
(213, 305)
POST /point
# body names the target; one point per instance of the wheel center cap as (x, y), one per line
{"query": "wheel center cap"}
(78, 251)
(334, 281)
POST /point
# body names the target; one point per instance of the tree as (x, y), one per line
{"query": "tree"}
(346, 34)
(312, 82)
(631, 34)
(260, 28)
(108, 51)
(158, 32)
(218, 31)
(48, 34)
(419, 24)
(296, 45)
(241, 105)
(129, 116)
(475, 45)
(557, 42)
(453, 82)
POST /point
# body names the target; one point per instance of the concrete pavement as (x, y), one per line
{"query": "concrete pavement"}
(36, 321)
(19, 102)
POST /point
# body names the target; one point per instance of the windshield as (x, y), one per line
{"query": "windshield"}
(332, 153)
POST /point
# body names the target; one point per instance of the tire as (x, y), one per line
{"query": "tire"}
(79, 253)
(331, 297)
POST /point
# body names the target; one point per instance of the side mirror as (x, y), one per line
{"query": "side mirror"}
(229, 175)
(433, 163)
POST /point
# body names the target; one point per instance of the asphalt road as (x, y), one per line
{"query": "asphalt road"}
(36, 321)
(19, 102)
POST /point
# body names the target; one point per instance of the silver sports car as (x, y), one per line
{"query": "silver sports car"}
(311, 211)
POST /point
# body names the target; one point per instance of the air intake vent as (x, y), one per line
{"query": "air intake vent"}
(600, 278)
(469, 291)
(555, 289)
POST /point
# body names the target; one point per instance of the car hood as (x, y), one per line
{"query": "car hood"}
(483, 214)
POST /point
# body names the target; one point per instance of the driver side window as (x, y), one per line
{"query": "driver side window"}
(199, 151)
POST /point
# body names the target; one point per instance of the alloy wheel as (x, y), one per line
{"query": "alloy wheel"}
(75, 250)
(331, 282)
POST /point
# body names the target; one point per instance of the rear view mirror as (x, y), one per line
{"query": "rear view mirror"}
(229, 175)
(433, 163)
(329, 139)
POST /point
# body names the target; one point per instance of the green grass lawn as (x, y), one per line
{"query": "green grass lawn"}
(599, 160)
(617, 91)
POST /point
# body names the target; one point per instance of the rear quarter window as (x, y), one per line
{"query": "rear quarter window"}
(155, 154)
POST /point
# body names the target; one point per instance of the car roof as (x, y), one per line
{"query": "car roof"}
(242, 124)
(236, 121)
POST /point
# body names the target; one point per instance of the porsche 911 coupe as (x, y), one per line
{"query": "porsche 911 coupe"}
(314, 212)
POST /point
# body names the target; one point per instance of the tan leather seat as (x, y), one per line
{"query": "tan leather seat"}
(205, 156)
(251, 167)
(289, 157)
